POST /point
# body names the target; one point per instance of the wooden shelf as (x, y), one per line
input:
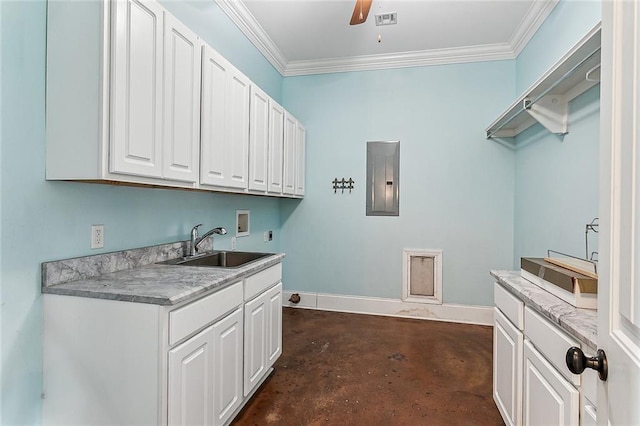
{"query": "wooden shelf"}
(547, 101)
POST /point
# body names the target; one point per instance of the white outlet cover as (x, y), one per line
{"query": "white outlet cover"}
(97, 236)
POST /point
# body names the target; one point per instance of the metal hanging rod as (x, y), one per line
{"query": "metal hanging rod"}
(526, 103)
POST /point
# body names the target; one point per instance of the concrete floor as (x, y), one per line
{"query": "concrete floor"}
(350, 369)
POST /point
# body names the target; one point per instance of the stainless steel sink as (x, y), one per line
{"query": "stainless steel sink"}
(219, 259)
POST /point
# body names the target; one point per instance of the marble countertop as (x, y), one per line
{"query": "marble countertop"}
(578, 322)
(134, 276)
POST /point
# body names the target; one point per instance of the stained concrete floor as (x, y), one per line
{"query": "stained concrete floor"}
(350, 369)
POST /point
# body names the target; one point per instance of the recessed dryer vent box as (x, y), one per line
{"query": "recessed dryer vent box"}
(242, 223)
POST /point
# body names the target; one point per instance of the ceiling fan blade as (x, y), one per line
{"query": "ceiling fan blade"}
(360, 12)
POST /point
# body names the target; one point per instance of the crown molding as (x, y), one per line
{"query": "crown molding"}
(493, 52)
(244, 20)
(531, 22)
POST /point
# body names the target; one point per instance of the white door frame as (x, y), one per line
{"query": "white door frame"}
(619, 251)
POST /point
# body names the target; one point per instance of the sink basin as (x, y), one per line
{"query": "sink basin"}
(219, 259)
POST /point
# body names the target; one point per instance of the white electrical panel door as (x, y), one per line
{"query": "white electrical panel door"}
(276, 146)
(258, 139)
(182, 67)
(136, 89)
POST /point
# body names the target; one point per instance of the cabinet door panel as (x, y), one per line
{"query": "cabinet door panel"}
(258, 139)
(507, 369)
(301, 136)
(191, 381)
(214, 95)
(224, 123)
(255, 341)
(238, 126)
(548, 398)
(181, 101)
(289, 178)
(228, 365)
(274, 338)
(136, 89)
(276, 146)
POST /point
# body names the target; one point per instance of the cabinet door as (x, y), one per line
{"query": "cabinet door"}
(224, 123)
(181, 133)
(289, 178)
(214, 95)
(227, 368)
(507, 369)
(238, 129)
(548, 398)
(301, 136)
(190, 382)
(276, 146)
(274, 329)
(258, 139)
(255, 341)
(136, 89)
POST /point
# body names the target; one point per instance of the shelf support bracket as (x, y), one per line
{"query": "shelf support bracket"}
(551, 111)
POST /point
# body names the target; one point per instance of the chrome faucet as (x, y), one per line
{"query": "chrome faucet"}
(195, 240)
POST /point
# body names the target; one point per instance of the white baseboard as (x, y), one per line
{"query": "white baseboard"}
(482, 315)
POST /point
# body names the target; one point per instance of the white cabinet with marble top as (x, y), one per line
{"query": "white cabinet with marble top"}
(155, 344)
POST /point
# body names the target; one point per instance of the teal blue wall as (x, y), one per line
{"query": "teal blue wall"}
(42, 221)
(456, 188)
(557, 176)
(459, 192)
(557, 183)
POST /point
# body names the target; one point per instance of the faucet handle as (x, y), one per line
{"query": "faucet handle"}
(194, 230)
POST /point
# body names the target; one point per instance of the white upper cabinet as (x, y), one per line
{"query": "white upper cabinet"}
(294, 152)
(134, 96)
(301, 136)
(289, 158)
(136, 89)
(224, 123)
(276, 147)
(258, 139)
(122, 101)
(182, 65)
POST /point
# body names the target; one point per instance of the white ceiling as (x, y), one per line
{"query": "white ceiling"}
(314, 36)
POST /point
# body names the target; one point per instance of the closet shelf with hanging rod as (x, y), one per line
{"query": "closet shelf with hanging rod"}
(547, 101)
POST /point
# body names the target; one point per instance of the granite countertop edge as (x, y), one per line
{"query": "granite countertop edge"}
(578, 322)
(160, 284)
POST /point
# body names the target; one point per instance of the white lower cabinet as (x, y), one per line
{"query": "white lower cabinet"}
(205, 374)
(191, 381)
(531, 383)
(548, 398)
(227, 368)
(136, 363)
(263, 335)
(507, 368)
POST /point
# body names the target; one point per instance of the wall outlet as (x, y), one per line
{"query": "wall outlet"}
(97, 236)
(233, 243)
(270, 235)
(266, 236)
